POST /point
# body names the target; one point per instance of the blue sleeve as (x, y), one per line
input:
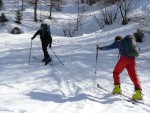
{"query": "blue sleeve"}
(109, 47)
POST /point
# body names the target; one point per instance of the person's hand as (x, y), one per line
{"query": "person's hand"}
(97, 47)
(50, 46)
(32, 38)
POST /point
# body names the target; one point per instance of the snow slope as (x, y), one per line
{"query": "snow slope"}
(35, 88)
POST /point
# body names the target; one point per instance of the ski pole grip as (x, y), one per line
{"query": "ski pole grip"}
(97, 47)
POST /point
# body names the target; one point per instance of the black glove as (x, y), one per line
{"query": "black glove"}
(32, 38)
(101, 48)
(50, 46)
(97, 47)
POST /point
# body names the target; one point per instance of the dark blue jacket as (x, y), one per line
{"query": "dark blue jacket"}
(115, 45)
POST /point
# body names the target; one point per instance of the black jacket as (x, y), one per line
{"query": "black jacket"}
(45, 37)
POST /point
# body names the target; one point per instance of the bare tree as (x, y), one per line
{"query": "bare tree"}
(80, 14)
(78, 10)
(35, 10)
(143, 20)
(124, 6)
(100, 22)
(22, 5)
(58, 4)
(90, 2)
(50, 10)
(70, 28)
(55, 4)
(82, 1)
(109, 11)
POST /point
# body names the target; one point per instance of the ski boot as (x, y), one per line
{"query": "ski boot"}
(137, 95)
(117, 90)
(44, 59)
(48, 60)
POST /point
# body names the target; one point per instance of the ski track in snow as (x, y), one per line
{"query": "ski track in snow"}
(69, 88)
(35, 88)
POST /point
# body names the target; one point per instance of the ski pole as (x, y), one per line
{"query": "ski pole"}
(30, 51)
(96, 60)
(57, 57)
(96, 66)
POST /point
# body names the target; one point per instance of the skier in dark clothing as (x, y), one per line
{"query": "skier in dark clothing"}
(46, 40)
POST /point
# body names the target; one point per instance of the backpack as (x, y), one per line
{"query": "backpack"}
(46, 29)
(131, 48)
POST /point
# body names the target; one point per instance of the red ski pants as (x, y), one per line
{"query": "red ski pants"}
(130, 65)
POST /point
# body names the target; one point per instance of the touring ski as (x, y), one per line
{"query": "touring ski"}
(126, 98)
(39, 61)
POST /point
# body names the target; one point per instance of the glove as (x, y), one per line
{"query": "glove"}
(101, 48)
(32, 38)
(50, 46)
(97, 47)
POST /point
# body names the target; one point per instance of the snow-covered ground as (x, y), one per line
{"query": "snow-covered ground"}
(35, 88)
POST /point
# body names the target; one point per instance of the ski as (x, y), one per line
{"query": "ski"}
(126, 98)
(36, 59)
(133, 100)
(39, 61)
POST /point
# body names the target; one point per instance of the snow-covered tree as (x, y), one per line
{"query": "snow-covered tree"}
(19, 16)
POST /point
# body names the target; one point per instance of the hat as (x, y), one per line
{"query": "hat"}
(43, 26)
(118, 38)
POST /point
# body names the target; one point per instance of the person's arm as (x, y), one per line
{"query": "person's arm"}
(109, 47)
(37, 33)
(50, 44)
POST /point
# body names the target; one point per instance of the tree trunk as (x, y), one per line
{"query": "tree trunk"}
(82, 1)
(22, 6)
(50, 12)
(124, 16)
(35, 11)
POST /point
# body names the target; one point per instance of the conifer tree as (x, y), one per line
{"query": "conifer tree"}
(19, 16)
(3, 19)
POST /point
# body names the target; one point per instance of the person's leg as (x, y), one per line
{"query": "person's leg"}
(131, 68)
(120, 66)
(44, 48)
(132, 71)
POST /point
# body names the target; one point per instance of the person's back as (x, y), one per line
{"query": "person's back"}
(130, 46)
(126, 46)
(45, 33)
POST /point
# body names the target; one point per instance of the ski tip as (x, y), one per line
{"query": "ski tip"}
(98, 85)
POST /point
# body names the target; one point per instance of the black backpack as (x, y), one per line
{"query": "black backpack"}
(46, 29)
(130, 45)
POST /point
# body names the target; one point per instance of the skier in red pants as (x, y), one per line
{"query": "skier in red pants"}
(127, 62)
